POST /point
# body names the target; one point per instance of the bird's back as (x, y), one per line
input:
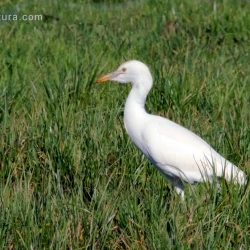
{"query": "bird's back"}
(177, 151)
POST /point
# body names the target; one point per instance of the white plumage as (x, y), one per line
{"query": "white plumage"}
(177, 152)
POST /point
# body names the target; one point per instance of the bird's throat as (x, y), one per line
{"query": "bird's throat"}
(134, 112)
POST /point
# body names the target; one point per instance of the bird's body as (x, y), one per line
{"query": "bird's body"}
(177, 152)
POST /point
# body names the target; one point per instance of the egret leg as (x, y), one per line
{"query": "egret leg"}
(178, 185)
(180, 191)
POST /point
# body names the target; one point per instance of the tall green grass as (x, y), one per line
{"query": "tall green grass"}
(70, 178)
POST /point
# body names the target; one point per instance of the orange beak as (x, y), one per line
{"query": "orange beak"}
(104, 78)
(109, 76)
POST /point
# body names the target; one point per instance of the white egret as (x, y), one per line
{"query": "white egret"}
(177, 152)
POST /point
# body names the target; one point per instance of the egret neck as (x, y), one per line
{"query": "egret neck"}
(134, 113)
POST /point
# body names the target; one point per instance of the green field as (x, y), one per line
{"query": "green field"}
(70, 177)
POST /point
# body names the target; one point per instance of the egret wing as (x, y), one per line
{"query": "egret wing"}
(177, 151)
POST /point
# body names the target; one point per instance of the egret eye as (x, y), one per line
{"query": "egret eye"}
(124, 69)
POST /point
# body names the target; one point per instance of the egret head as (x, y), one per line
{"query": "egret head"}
(131, 71)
